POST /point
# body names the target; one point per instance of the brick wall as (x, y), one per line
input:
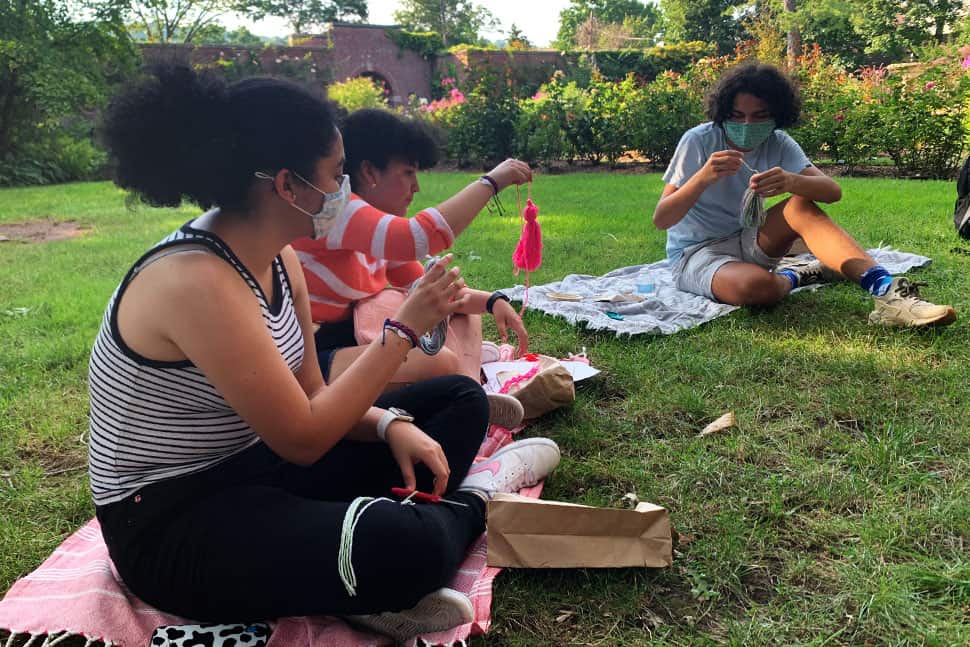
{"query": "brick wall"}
(348, 50)
(366, 49)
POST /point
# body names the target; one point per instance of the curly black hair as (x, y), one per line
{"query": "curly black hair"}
(766, 82)
(179, 133)
(379, 137)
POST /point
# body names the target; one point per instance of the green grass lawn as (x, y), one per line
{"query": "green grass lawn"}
(837, 512)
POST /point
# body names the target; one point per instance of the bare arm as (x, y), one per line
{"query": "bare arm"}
(811, 183)
(216, 317)
(675, 202)
(504, 314)
(460, 209)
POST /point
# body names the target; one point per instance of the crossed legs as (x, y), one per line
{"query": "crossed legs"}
(743, 283)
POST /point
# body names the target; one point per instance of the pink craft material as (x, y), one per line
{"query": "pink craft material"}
(77, 591)
(528, 375)
(528, 252)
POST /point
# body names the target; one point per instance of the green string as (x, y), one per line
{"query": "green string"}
(753, 212)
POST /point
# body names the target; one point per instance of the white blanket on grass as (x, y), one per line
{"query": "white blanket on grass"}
(666, 310)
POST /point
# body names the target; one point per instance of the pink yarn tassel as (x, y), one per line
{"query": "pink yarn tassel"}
(528, 253)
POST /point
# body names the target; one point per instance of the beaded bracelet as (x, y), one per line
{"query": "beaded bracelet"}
(400, 330)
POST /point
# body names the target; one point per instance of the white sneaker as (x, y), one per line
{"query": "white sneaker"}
(517, 465)
(490, 352)
(903, 306)
(504, 410)
(437, 611)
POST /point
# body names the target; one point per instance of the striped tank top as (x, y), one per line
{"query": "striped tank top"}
(154, 420)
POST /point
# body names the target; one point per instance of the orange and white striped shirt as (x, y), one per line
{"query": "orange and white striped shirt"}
(364, 251)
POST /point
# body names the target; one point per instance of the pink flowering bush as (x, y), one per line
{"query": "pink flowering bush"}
(918, 116)
(924, 117)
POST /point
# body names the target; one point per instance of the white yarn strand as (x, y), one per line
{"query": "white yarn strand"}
(345, 564)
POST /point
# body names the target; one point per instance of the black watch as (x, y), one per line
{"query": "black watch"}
(490, 304)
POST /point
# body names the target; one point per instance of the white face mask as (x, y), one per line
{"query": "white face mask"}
(333, 204)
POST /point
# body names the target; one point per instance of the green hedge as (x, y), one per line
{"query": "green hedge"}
(918, 117)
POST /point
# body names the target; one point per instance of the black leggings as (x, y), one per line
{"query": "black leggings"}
(256, 537)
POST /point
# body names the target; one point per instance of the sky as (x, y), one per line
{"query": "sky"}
(537, 19)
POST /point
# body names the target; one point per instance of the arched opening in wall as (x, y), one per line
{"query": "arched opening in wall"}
(384, 84)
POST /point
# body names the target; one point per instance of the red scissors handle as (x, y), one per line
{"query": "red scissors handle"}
(424, 497)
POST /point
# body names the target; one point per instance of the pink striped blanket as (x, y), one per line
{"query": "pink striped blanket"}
(78, 592)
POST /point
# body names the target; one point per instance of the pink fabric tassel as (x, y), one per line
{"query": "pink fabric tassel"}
(528, 253)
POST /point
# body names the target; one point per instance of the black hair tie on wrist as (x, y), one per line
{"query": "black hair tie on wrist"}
(490, 304)
(491, 181)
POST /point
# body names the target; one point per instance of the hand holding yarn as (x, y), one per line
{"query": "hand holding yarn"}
(509, 172)
(433, 298)
(774, 181)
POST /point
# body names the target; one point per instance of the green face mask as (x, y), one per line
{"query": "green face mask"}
(749, 135)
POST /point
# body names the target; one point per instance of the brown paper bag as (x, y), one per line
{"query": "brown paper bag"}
(533, 533)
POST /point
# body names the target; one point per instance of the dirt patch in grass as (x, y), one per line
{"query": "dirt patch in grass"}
(42, 230)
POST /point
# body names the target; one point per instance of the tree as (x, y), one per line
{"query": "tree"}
(829, 24)
(53, 66)
(166, 21)
(794, 40)
(303, 14)
(219, 35)
(641, 19)
(712, 21)
(517, 40)
(895, 29)
(456, 21)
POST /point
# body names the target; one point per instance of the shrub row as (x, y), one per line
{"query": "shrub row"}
(916, 116)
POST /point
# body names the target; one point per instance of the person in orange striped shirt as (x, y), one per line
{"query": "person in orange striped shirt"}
(373, 243)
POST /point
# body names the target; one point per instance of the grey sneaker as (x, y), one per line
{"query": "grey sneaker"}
(809, 271)
(520, 464)
(902, 306)
(504, 410)
(437, 611)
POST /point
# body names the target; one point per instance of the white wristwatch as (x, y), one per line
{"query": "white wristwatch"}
(390, 416)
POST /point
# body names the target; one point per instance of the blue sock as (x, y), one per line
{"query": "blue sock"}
(876, 280)
(790, 275)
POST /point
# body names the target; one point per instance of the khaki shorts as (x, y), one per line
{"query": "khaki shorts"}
(694, 271)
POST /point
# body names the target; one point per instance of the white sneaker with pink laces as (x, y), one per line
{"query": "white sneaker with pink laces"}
(520, 464)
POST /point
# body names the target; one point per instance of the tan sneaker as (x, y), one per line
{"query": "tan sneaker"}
(902, 306)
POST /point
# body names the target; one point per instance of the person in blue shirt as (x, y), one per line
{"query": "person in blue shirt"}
(715, 252)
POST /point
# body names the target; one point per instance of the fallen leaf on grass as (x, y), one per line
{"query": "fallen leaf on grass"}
(564, 616)
(724, 422)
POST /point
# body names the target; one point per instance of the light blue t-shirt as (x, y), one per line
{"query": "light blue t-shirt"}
(717, 212)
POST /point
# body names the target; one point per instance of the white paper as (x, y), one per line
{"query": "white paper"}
(579, 371)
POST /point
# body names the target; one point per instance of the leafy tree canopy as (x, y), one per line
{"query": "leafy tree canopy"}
(640, 20)
(53, 65)
(305, 14)
(712, 21)
(456, 21)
